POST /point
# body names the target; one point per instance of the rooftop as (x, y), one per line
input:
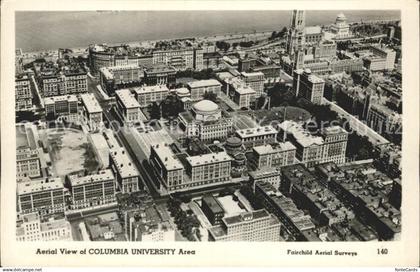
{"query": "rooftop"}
(256, 131)
(313, 30)
(90, 102)
(212, 203)
(208, 158)
(167, 157)
(151, 89)
(127, 98)
(303, 137)
(36, 186)
(245, 216)
(278, 147)
(123, 163)
(103, 175)
(54, 99)
(204, 83)
(205, 106)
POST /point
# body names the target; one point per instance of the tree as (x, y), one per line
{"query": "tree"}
(210, 96)
(154, 111)
(172, 106)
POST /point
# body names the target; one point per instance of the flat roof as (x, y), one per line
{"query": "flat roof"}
(103, 175)
(127, 98)
(245, 216)
(249, 74)
(151, 89)
(212, 203)
(91, 103)
(265, 172)
(204, 83)
(256, 131)
(53, 99)
(208, 158)
(123, 163)
(35, 186)
(267, 148)
(313, 30)
(230, 206)
(167, 157)
(302, 136)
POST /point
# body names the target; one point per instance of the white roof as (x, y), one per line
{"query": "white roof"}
(267, 148)
(256, 131)
(39, 185)
(53, 99)
(91, 103)
(167, 157)
(250, 74)
(151, 89)
(302, 136)
(123, 163)
(107, 74)
(104, 175)
(127, 98)
(203, 83)
(208, 158)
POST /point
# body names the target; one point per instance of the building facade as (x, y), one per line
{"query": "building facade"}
(255, 226)
(255, 80)
(93, 190)
(275, 155)
(128, 106)
(127, 176)
(92, 111)
(199, 88)
(32, 229)
(64, 107)
(23, 93)
(308, 86)
(147, 95)
(45, 196)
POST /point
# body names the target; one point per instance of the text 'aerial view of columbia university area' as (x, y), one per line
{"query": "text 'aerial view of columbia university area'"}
(208, 125)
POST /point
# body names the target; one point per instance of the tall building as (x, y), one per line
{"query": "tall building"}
(128, 106)
(31, 228)
(180, 58)
(382, 119)
(212, 209)
(127, 175)
(207, 169)
(254, 226)
(64, 107)
(274, 155)
(255, 80)
(296, 34)
(159, 75)
(111, 78)
(199, 88)
(147, 95)
(308, 86)
(239, 92)
(55, 80)
(28, 162)
(257, 135)
(167, 166)
(92, 111)
(266, 175)
(205, 121)
(328, 146)
(44, 196)
(93, 190)
(23, 93)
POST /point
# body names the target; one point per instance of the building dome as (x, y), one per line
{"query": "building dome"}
(233, 142)
(182, 92)
(205, 107)
(341, 17)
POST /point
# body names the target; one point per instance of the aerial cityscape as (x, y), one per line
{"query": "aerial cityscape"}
(291, 134)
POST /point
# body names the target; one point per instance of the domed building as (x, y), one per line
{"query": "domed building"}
(341, 28)
(205, 121)
(206, 110)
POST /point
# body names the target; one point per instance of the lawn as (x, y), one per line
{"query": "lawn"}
(70, 151)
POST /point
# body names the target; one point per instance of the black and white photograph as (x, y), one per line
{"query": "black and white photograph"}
(208, 126)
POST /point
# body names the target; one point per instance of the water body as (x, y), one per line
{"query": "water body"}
(36, 31)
